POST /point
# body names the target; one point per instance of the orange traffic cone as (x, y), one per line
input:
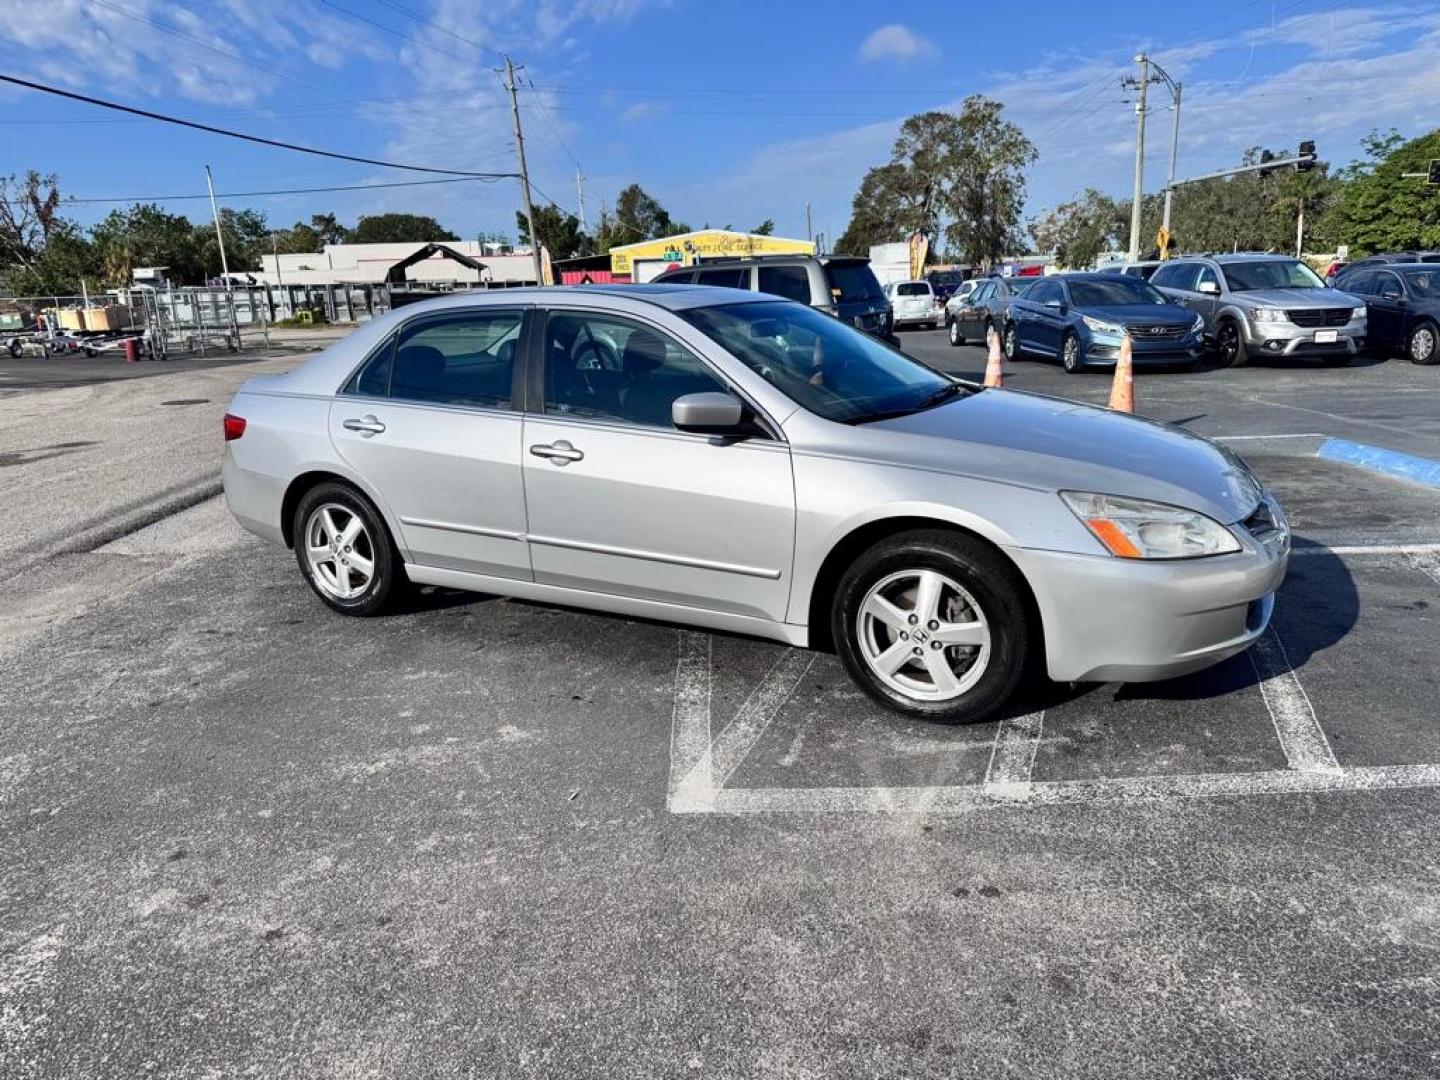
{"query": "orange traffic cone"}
(995, 363)
(1122, 393)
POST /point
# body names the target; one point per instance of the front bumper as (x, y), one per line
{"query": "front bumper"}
(1285, 339)
(1121, 620)
(1183, 351)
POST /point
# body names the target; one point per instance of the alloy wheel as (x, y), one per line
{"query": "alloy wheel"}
(339, 551)
(1012, 343)
(923, 635)
(1422, 345)
(1229, 342)
(1071, 355)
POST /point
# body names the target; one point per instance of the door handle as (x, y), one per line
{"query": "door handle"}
(559, 452)
(366, 425)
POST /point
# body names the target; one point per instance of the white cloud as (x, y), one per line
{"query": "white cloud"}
(641, 110)
(896, 42)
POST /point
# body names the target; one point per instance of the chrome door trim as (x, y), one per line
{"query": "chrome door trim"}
(657, 556)
(473, 530)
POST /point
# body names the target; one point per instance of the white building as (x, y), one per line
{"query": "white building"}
(367, 264)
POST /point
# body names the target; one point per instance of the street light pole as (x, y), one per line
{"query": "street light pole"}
(1144, 62)
(1174, 153)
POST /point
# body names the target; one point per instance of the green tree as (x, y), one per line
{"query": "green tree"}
(765, 228)
(145, 235)
(960, 175)
(328, 228)
(399, 229)
(559, 231)
(29, 214)
(1077, 232)
(299, 239)
(637, 216)
(1379, 208)
(247, 238)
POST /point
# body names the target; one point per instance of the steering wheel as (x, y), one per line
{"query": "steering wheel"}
(602, 357)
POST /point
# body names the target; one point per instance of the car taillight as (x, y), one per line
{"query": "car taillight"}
(234, 427)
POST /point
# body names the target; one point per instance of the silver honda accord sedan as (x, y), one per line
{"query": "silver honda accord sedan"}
(728, 460)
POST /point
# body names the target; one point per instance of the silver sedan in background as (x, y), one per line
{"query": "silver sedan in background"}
(729, 460)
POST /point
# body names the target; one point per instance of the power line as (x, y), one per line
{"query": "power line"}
(85, 98)
(291, 191)
(403, 10)
(396, 33)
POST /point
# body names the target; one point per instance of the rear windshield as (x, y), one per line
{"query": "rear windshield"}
(946, 277)
(1271, 274)
(856, 281)
(912, 288)
(1115, 293)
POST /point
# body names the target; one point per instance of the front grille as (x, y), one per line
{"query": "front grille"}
(1330, 316)
(1266, 524)
(1157, 333)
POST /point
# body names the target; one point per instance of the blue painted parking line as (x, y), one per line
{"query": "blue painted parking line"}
(1422, 470)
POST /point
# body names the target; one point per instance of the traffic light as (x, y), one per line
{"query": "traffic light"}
(1307, 151)
(1433, 178)
(1265, 157)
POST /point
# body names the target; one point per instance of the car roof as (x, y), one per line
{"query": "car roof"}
(677, 297)
(1094, 275)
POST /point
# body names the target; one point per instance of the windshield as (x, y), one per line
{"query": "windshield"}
(1271, 274)
(823, 364)
(1424, 284)
(855, 280)
(1116, 292)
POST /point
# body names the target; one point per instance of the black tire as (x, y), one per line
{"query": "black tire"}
(1070, 354)
(15, 348)
(1417, 338)
(387, 581)
(956, 338)
(1011, 343)
(993, 583)
(1230, 344)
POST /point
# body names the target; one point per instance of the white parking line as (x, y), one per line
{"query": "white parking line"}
(1427, 562)
(1012, 759)
(1301, 737)
(691, 789)
(965, 798)
(737, 738)
(1407, 550)
(1286, 435)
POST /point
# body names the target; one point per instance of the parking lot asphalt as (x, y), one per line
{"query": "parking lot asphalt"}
(245, 836)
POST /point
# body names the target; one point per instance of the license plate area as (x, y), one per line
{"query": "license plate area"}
(1326, 337)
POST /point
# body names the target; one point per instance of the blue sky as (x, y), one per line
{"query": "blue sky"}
(729, 113)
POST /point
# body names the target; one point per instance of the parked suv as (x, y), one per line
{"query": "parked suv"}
(842, 285)
(914, 303)
(1082, 320)
(1265, 305)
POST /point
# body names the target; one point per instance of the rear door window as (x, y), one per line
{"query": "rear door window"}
(464, 359)
(729, 278)
(791, 282)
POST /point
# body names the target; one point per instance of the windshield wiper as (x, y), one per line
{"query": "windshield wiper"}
(936, 397)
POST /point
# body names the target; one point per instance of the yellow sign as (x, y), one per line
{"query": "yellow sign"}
(919, 248)
(690, 248)
(1162, 241)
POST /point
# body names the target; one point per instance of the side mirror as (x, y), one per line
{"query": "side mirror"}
(710, 413)
(1209, 288)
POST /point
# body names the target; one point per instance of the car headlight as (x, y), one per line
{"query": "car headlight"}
(1198, 324)
(1137, 529)
(1357, 313)
(1100, 326)
(1268, 314)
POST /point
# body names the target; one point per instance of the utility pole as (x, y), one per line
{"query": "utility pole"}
(1140, 105)
(580, 195)
(809, 232)
(1300, 229)
(524, 173)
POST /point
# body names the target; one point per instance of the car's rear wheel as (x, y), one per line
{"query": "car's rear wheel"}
(345, 551)
(1011, 343)
(1423, 344)
(933, 624)
(956, 337)
(1230, 343)
(1070, 354)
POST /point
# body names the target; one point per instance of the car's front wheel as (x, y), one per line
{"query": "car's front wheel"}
(345, 551)
(1423, 345)
(933, 624)
(1070, 354)
(1231, 344)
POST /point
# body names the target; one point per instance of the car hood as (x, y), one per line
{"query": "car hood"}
(1298, 298)
(1050, 443)
(1147, 314)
